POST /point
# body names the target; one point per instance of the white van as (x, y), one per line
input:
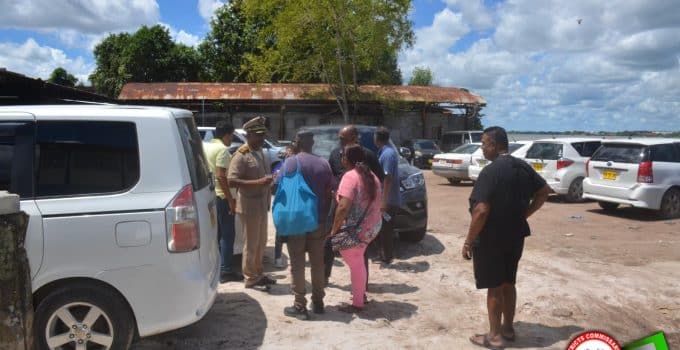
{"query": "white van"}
(122, 232)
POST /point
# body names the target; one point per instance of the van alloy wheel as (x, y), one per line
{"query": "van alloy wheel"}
(575, 193)
(83, 316)
(670, 204)
(80, 325)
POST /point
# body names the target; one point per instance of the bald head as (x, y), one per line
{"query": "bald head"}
(304, 141)
(348, 135)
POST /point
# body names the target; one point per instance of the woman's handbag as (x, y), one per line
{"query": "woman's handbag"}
(348, 235)
(295, 210)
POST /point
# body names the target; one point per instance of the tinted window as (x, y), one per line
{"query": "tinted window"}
(477, 137)
(586, 149)
(514, 146)
(620, 152)
(325, 140)
(427, 145)
(16, 160)
(545, 150)
(664, 153)
(193, 150)
(82, 158)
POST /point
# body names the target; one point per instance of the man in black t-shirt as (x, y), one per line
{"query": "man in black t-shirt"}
(506, 193)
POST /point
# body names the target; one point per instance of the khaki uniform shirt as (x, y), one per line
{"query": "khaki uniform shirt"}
(249, 165)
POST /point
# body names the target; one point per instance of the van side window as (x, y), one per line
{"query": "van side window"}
(664, 153)
(193, 150)
(86, 158)
(16, 161)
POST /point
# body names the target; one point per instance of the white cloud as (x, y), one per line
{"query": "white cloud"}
(473, 11)
(181, 36)
(89, 17)
(37, 61)
(206, 8)
(619, 68)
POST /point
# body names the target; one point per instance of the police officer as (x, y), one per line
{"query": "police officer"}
(250, 173)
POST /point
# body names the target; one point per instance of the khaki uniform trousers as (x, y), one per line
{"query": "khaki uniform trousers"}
(254, 224)
(312, 243)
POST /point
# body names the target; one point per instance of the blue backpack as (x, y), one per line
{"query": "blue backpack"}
(295, 209)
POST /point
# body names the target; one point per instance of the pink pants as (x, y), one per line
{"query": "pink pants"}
(354, 258)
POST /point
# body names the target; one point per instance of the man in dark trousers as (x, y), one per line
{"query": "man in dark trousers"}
(317, 174)
(507, 192)
(349, 135)
(389, 162)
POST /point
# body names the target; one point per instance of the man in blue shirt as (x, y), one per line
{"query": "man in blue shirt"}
(389, 161)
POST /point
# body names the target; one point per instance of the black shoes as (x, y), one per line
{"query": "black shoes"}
(298, 312)
(230, 277)
(318, 308)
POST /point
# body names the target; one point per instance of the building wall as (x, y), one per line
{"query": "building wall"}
(403, 125)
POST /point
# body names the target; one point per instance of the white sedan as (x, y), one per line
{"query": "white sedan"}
(454, 165)
(517, 149)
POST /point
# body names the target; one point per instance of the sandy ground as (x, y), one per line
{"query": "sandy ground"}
(582, 269)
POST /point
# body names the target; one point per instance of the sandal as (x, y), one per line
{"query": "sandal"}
(485, 343)
(349, 308)
(268, 280)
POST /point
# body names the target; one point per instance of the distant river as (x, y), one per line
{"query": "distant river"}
(530, 137)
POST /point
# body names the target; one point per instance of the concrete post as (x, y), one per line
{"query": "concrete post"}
(16, 301)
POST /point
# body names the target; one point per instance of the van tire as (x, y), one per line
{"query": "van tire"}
(608, 206)
(77, 300)
(575, 192)
(670, 204)
(454, 181)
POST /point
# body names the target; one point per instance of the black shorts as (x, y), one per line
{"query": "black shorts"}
(495, 264)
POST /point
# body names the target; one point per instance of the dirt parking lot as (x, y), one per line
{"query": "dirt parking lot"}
(582, 269)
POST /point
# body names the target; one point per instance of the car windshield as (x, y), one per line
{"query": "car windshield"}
(620, 152)
(466, 149)
(547, 150)
(476, 136)
(425, 145)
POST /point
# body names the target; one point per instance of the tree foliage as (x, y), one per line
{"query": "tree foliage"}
(61, 77)
(148, 55)
(223, 48)
(339, 42)
(421, 77)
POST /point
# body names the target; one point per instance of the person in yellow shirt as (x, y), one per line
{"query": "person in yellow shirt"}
(217, 153)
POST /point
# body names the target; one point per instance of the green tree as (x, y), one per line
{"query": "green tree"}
(223, 48)
(148, 55)
(339, 42)
(421, 77)
(61, 77)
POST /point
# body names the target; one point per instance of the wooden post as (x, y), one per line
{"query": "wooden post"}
(16, 301)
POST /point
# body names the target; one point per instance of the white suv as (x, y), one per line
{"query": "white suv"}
(121, 236)
(561, 162)
(640, 172)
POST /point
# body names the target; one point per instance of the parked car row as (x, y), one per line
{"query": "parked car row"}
(642, 172)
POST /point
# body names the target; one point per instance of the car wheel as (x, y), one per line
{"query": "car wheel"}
(575, 192)
(670, 204)
(454, 181)
(82, 316)
(608, 205)
(412, 236)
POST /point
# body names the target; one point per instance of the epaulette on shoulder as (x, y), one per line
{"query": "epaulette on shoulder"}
(244, 149)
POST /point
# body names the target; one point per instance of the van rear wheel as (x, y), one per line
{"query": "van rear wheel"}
(608, 206)
(454, 181)
(575, 193)
(82, 316)
(670, 204)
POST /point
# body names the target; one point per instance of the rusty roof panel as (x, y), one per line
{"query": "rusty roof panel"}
(292, 92)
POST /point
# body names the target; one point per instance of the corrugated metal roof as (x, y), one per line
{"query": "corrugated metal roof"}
(292, 92)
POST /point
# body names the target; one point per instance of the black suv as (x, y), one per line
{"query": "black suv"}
(411, 219)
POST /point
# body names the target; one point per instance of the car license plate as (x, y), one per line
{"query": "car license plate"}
(538, 166)
(429, 161)
(213, 216)
(482, 163)
(609, 174)
(442, 162)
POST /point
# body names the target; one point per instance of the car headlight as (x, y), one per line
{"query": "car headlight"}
(419, 154)
(282, 154)
(413, 181)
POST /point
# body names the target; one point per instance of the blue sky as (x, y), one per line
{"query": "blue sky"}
(540, 64)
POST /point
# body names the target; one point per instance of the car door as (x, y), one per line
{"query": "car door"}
(17, 138)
